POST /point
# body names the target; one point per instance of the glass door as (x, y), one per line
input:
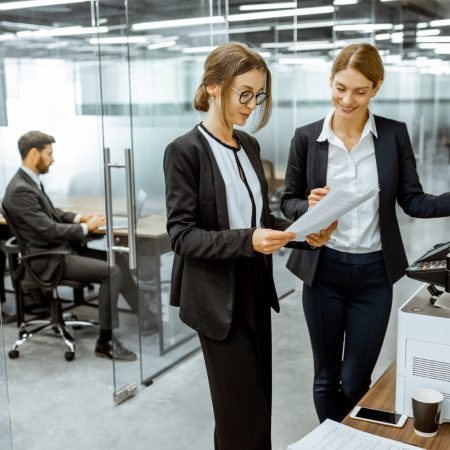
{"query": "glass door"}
(120, 193)
(168, 47)
(5, 421)
(150, 67)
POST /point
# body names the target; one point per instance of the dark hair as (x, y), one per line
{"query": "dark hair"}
(362, 57)
(33, 139)
(223, 64)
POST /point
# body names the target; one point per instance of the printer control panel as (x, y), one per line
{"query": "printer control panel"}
(433, 267)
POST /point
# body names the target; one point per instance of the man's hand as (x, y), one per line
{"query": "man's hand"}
(267, 241)
(94, 221)
(316, 195)
(85, 219)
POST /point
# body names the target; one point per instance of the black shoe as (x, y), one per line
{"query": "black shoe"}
(8, 318)
(149, 326)
(117, 352)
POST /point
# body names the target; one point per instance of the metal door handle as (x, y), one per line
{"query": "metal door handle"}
(109, 214)
(131, 210)
(131, 249)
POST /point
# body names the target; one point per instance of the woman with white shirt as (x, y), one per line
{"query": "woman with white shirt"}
(223, 235)
(347, 291)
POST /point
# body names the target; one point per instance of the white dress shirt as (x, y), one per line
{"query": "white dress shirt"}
(358, 231)
(35, 177)
(238, 199)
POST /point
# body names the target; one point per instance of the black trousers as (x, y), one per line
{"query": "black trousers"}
(90, 266)
(347, 311)
(239, 371)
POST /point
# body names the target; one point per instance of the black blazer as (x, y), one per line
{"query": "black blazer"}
(398, 181)
(199, 230)
(40, 225)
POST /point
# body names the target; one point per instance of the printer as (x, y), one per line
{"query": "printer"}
(423, 335)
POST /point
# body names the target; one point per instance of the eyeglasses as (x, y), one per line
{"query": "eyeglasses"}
(246, 97)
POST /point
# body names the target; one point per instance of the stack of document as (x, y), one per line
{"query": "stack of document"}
(332, 206)
(331, 435)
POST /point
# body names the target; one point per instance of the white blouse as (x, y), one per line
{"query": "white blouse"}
(239, 204)
(358, 231)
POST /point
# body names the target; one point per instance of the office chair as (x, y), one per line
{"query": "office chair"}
(274, 192)
(25, 281)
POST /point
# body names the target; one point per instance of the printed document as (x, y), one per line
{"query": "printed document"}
(331, 435)
(334, 205)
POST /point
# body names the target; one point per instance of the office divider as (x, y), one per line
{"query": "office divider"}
(5, 421)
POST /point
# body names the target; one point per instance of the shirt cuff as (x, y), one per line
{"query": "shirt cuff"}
(85, 229)
(77, 218)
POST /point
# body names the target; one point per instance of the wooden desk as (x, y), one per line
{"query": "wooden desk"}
(382, 396)
(152, 226)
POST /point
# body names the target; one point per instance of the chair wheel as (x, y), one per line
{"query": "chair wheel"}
(69, 316)
(13, 354)
(70, 356)
(22, 333)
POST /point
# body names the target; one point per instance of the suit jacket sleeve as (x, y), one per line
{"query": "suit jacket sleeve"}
(186, 211)
(27, 201)
(411, 196)
(66, 216)
(294, 201)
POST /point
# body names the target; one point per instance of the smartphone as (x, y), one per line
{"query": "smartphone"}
(378, 416)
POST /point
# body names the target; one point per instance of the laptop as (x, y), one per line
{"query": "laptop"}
(121, 221)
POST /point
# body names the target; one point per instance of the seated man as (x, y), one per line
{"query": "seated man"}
(42, 227)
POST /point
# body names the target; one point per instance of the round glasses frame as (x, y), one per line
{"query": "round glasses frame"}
(246, 97)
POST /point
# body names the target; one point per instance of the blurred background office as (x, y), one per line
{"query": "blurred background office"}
(121, 74)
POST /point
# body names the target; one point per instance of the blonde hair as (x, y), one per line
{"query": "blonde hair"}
(223, 64)
(362, 57)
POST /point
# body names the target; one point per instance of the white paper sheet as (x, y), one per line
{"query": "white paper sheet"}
(334, 205)
(443, 301)
(331, 435)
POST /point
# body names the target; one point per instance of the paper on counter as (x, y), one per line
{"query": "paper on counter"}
(334, 205)
(331, 435)
(443, 301)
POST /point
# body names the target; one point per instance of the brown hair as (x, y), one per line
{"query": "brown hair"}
(362, 57)
(33, 139)
(223, 64)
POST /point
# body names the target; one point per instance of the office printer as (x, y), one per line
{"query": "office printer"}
(423, 335)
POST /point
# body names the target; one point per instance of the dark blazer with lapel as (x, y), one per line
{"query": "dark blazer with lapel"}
(398, 181)
(38, 222)
(199, 230)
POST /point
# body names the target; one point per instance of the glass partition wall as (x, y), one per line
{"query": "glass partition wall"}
(5, 421)
(113, 81)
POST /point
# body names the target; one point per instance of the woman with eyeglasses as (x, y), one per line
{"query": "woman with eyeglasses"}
(347, 290)
(222, 234)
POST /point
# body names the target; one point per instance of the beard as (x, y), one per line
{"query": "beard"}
(41, 166)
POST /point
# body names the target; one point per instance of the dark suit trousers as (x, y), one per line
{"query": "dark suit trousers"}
(90, 266)
(347, 311)
(240, 379)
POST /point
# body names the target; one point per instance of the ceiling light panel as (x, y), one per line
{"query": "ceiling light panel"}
(344, 2)
(8, 6)
(178, 23)
(281, 13)
(432, 32)
(264, 6)
(436, 39)
(364, 28)
(65, 31)
(163, 44)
